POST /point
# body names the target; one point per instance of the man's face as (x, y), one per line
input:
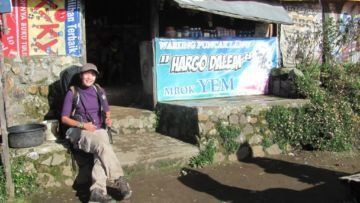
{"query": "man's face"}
(88, 78)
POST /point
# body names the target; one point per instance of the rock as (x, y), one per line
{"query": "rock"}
(68, 182)
(243, 152)
(214, 118)
(44, 91)
(46, 180)
(58, 159)
(55, 70)
(9, 84)
(67, 171)
(29, 167)
(256, 139)
(203, 117)
(233, 119)
(213, 132)
(219, 157)
(273, 150)
(16, 70)
(47, 162)
(233, 157)
(257, 151)
(295, 73)
(252, 120)
(243, 120)
(40, 76)
(241, 138)
(248, 130)
(33, 155)
(33, 89)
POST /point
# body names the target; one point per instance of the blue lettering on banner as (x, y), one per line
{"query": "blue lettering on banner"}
(207, 68)
(73, 28)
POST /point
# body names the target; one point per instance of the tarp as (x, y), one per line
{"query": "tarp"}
(250, 10)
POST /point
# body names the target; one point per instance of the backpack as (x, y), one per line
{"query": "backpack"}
(68, 77)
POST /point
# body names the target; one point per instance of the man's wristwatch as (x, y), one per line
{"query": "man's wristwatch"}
(80, 125)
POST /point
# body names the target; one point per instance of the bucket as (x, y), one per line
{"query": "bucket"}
(51, 129)
(28, 135)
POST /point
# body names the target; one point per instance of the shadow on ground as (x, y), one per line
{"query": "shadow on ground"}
(324, 185)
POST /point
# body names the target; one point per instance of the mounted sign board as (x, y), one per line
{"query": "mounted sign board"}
(193, 69)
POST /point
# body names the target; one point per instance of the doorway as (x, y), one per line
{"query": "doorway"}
(113, 34)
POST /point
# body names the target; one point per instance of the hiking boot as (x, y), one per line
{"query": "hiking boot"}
(97, 195)
(123, 186)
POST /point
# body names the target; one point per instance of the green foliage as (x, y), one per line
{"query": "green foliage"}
(2, 185)
(227, 135)
(24, 181)
(330, 121)
(267, 142)
(205, 157)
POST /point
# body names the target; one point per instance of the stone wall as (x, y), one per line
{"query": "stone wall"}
(200, 123)
(51, 163)
(32, 87)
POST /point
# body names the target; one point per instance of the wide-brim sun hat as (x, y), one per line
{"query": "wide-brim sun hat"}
(89, 66)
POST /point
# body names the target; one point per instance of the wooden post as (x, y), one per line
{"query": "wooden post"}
(3, 122)
(154, 18)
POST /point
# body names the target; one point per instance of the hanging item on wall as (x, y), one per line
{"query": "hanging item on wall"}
(38, 27)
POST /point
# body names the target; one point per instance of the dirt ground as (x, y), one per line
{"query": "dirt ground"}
(298, 177)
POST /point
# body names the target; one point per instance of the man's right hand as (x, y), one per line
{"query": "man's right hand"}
(89, 126)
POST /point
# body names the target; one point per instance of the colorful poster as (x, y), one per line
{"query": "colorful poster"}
(42, 27)
(193, 69)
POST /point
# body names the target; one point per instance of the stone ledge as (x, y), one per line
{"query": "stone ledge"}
(45, 148)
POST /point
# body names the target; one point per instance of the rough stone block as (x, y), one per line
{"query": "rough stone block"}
(232, 157)
(256, 139)
(47, 162)
(257, 151)
(241, 138)
(33, 89)
(203, 117)
(44, 91)
(273, 150)
(233, 119)
(16, 70)
(248, 130)
(219, 157)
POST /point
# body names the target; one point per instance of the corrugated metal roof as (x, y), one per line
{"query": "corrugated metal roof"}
(250, 10)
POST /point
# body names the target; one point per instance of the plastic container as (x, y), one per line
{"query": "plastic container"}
(28, 135)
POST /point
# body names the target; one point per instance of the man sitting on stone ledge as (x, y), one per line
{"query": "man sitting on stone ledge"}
(86, 112)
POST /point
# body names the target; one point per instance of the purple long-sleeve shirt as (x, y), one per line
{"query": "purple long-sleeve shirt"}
(90, 100)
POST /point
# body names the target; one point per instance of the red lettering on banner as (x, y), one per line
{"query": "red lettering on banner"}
(9, 40)
(47, 29)
(23, 28)
(44, 47)
(44, 2)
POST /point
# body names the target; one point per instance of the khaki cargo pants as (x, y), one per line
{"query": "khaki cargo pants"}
(106, 164)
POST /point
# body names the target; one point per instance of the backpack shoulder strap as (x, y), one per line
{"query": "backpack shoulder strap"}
(75, 100)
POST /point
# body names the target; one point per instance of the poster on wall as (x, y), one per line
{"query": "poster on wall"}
(193, 69)
(39, 27)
